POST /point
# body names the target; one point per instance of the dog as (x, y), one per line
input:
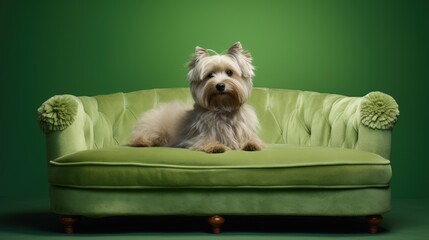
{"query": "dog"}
(220, 119)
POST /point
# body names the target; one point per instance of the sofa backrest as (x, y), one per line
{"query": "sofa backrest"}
(286, 116)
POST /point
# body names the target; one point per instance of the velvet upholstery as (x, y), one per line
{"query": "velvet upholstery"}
(320, 159)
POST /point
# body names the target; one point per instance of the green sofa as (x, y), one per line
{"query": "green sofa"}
(325, 155)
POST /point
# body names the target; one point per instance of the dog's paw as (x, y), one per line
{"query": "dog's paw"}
(215, 148)
(153, 142)
(251, 146)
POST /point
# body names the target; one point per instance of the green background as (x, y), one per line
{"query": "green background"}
(100, 47)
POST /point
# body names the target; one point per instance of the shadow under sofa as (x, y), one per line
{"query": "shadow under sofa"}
(325, 155)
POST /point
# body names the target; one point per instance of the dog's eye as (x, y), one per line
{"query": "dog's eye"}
(229, 73)
(210, 75)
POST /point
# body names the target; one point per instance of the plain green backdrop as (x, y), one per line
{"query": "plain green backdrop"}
(100, 47)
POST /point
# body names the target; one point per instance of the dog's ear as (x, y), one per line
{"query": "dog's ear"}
(199, 53)
(243, 58)
(194, 73)
(236, 48)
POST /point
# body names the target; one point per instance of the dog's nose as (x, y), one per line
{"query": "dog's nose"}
(220, 87)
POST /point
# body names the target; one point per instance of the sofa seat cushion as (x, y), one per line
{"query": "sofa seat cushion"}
(277, 166)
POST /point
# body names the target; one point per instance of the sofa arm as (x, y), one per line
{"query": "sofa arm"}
(379, 111)
(62, 119)
(378, 115)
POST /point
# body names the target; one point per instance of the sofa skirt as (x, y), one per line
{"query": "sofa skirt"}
(225, 201)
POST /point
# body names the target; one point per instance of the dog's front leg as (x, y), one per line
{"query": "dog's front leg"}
(209, 147)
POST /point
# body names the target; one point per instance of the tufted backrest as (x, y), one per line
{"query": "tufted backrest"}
(286, 117)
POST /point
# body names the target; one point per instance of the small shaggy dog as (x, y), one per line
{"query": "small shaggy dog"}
(220, 120)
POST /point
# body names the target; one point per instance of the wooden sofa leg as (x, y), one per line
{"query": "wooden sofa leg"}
(216, 222)
(373, 222)
(68, 222)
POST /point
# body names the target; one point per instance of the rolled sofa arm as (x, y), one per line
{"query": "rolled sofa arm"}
(379, 113)
(62, 119)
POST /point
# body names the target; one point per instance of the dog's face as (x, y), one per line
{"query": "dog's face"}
(221, 82)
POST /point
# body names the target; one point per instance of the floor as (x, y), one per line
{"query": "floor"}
(30, 219)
